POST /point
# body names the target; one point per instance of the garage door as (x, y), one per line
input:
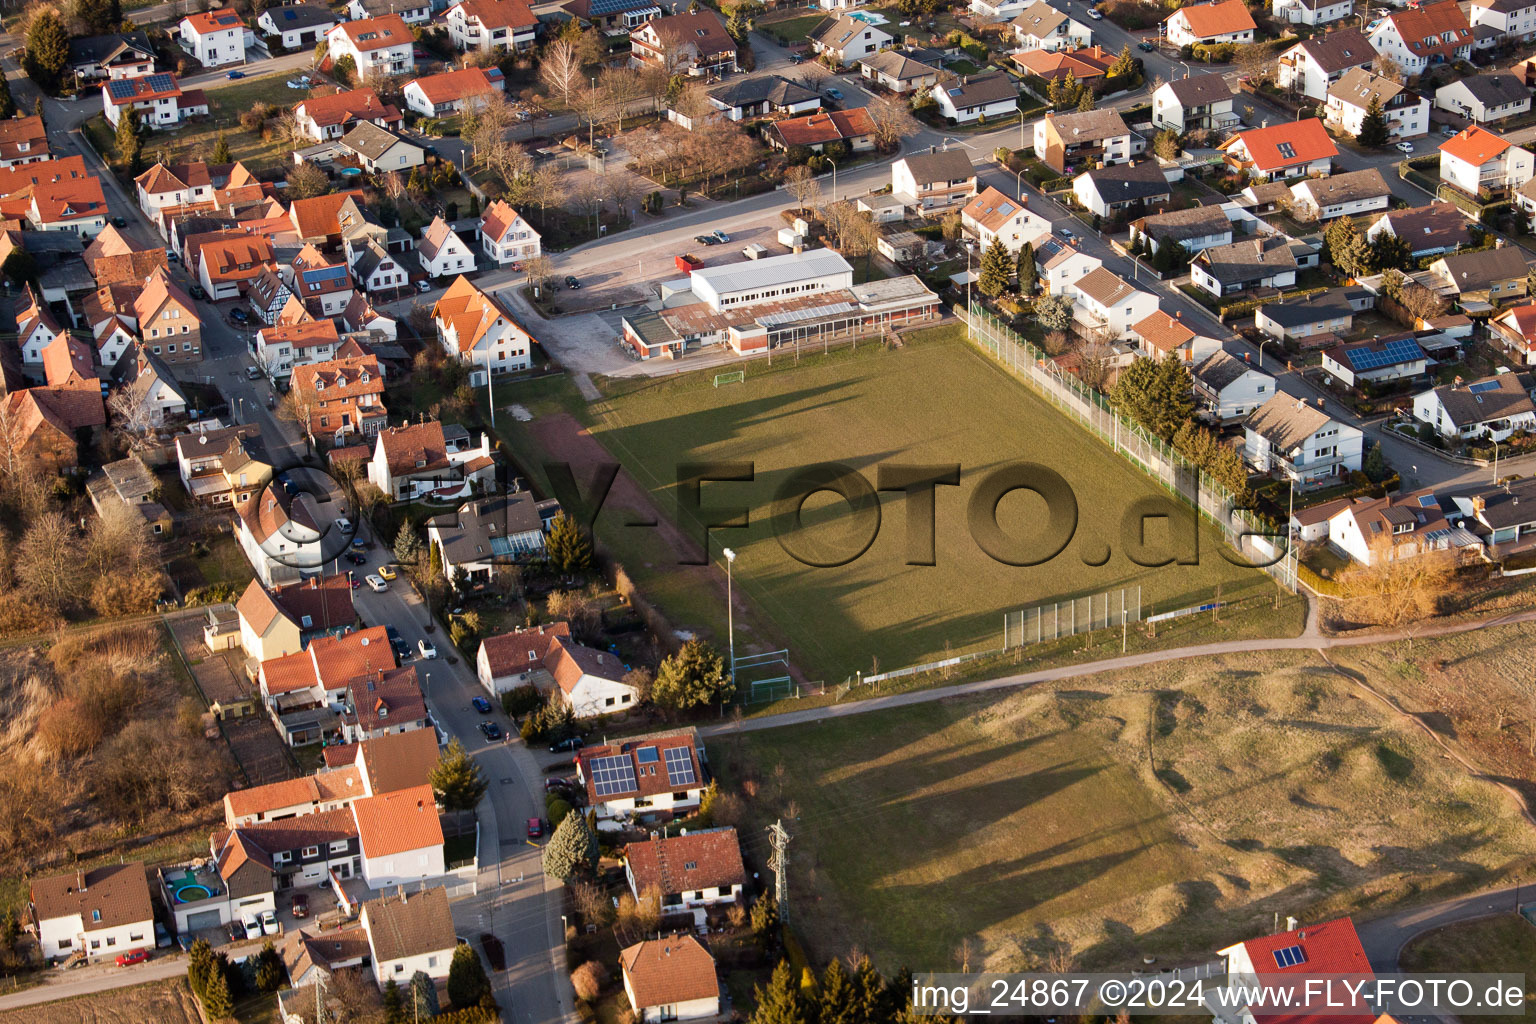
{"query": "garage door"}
(207, 919)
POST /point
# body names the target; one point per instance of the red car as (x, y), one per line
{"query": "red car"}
(138, 956)
(535, 828)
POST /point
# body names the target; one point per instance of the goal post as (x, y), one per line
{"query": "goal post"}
(733, 377)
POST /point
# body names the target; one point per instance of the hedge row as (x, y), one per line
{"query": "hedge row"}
(1242, 306)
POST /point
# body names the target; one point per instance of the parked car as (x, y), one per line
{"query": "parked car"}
(481, 705)
(345, 526)
(1095, 15)
(253, 373)
(1405, 147)
(388, 572)
(300, 905)
(119, 222)
(495, 952)
(558, 785)
(268, 922)
(252, 925)
(170, 254)
(796, 58)
(721, 236)
(569, 743)
(835, 94)
(234, 74)
(572, 283)
(375, 584)
(706, 239)
(355, 558)
(1146, 47)
(535, 828)
(426, 649)
(397, 643)
(137, 956)
(490, 730)
(240, 316)
(197, 292)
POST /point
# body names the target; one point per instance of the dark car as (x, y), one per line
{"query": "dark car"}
(197, 292)
(300, 905)
(119, 222)
(557, 785)
(355, 558)
(240, 316)
(569, 743)
(491, 730)
(571, 282)
(706, 239)
(397, 643)
(482, 705)
(1145, 46)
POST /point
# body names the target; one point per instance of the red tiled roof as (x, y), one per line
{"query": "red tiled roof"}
(220, 20)
(687, 863)
(1163, 332)
(515, 652)
(235, 257)
(316, 217)
(1475, 145)
(1331, 948)
(398, 822)
(646, 783)
(493, 14)
(1431, 23)
(455, 85)
(668, 971)
(826, 126)
(1307, 140)
(376, 33)
(414, 448)
(1206, 20)
(305, 335)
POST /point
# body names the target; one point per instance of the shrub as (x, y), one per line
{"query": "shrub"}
(588, 980)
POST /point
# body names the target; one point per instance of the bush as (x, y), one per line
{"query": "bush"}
(520, 701)
(588, 980)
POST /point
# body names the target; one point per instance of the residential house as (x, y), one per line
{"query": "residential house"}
(345, 398)
(937, 180)
(996, 10)
(410, 932)
(1429, 230)
(229, 261)
(485, 26)
(1313, 65)
(1300, 442)
(321, 220)
(1485, 99)
(1494, 276)
(993, 217)
(280, 621)
(1351, 97)
(173, 185)
(1514, 20)
(1061, 264)
(971, 98)
(119, 55)
(1380, 360)
(322, 284)
(766, 96)
(1160, 335)
(1311, 12)
(815, 132)
(148, 386)
(282, 347)
(23, 140)
(1394, 527)
(670, 977)
(360, 317)
(396, 761)
(1290, 149)
(383, 43)
(297, 26)
(412, 12)
(77, 206)
(1082, 139)
(1042, 27)
(324, 118)
(36, 327)
(693, 872)
(215, 37)
(318, 676)
(267, 295)
(1287, 959)
(1340, 195)
(1196, 228)
(1228, 389)
(94, 914)
(411, 460)
(319, 793)
(847, 38)
(1514, 330)
(894, 70)
(1417, 37)
(1327, 314)
(505, 236)
(284, 536)
(1194, 101)
(1225, 22)
(298, 852)
(168, 320)
(442, 252)
(399, 834)
(114, 258)
(451, 92)
(642, 779)
(486, 536)
(377, 270)
(511, 660)
(128, 483)
(1088, 66)
(1105, 303)
(380, 150)
(48, 424)
(692, 44)
(476, 328)
(1493, 407)
(313, 959)
(1122, 191)
(1241, 266)
(1498, 517)
(223, 466)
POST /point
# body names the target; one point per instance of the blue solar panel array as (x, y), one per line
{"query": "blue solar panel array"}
(162, 83)
(1483, 385)
(121, 89)
(680, 767)
(1404, 350)
(647, 755)
(322, 275)
(612, 775)
(1290, 956)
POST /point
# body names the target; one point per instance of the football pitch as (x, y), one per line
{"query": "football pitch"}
(933, 402)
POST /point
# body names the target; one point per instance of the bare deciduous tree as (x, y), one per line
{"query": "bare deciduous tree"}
(800, 182)
(893, 121)
(560, 70)
(1096, 359)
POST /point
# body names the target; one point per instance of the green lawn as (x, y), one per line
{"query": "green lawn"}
(933, 401)
(793, 30)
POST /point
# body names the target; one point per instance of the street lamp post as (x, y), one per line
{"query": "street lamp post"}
(1019, 182)
(834, 176)
(1495, 462)
(730, 613)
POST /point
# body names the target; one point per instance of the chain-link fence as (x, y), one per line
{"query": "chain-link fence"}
(1180, 477)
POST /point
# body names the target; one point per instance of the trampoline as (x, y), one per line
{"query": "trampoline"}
(192, 893)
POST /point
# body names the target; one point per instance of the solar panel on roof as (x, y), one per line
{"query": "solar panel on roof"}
(1427, 500)
(1483, 385)
(612, 775)
(1290, 956)
(120, 89)
(227, 19)
(160, 83)
(680, 767)
(647, 755)
(1403, 350)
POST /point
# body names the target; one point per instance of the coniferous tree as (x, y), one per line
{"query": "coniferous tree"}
(7, 102)
(572, 851)
(199, 961)
(1373, 127)
(457, 779)
(221, 150)
(1388, 252)
(1346, 250)
(130, 147)
(1086, 101)
(269, 969)
(47, 56)
(781, 1002)
(217, 1003)
(570, 549)
(407, 545)
(394, 1005)
(996, 269)
(839, 998)
(1029, 277)
(467, 981)
(423, 996)
(693, 677)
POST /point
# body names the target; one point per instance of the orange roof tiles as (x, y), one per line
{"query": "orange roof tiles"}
(159, 289)
(687, 863)
(455, 85)
(221, 20)
(498, 219)
(471, 313)
(1163, 332)
(827, 126)
(1424, 29)
(141, 90)
(317, 217)
(494, 14)
(1475, 145)
(1287, 144)
(668, 971)
(23, 131)
(414, 447)
(64, 356)
(521, 649)
(398, 822)
(57, 201)
(341, 107)
(377, 33)
(235, 257)
(1219, 19)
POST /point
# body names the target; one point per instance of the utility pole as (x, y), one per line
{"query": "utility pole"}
(778, 863)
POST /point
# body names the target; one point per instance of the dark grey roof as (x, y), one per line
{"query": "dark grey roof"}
(368, 261)
(371, 140)
(1477, 402)
(95, 49)
(1470, 271)
(476, 532)
(1350, 187)
(976, 90)
(1200, 90)
(1121, 183)
(1326, 306)
(1251, 259)
(1503, 506)
(836, 31)
(1494, 89)
(1179, 225)
(1219, 369)
(1506, 6)
(300, 16)
(1339, 50)
(944, 165)
(772, 89)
